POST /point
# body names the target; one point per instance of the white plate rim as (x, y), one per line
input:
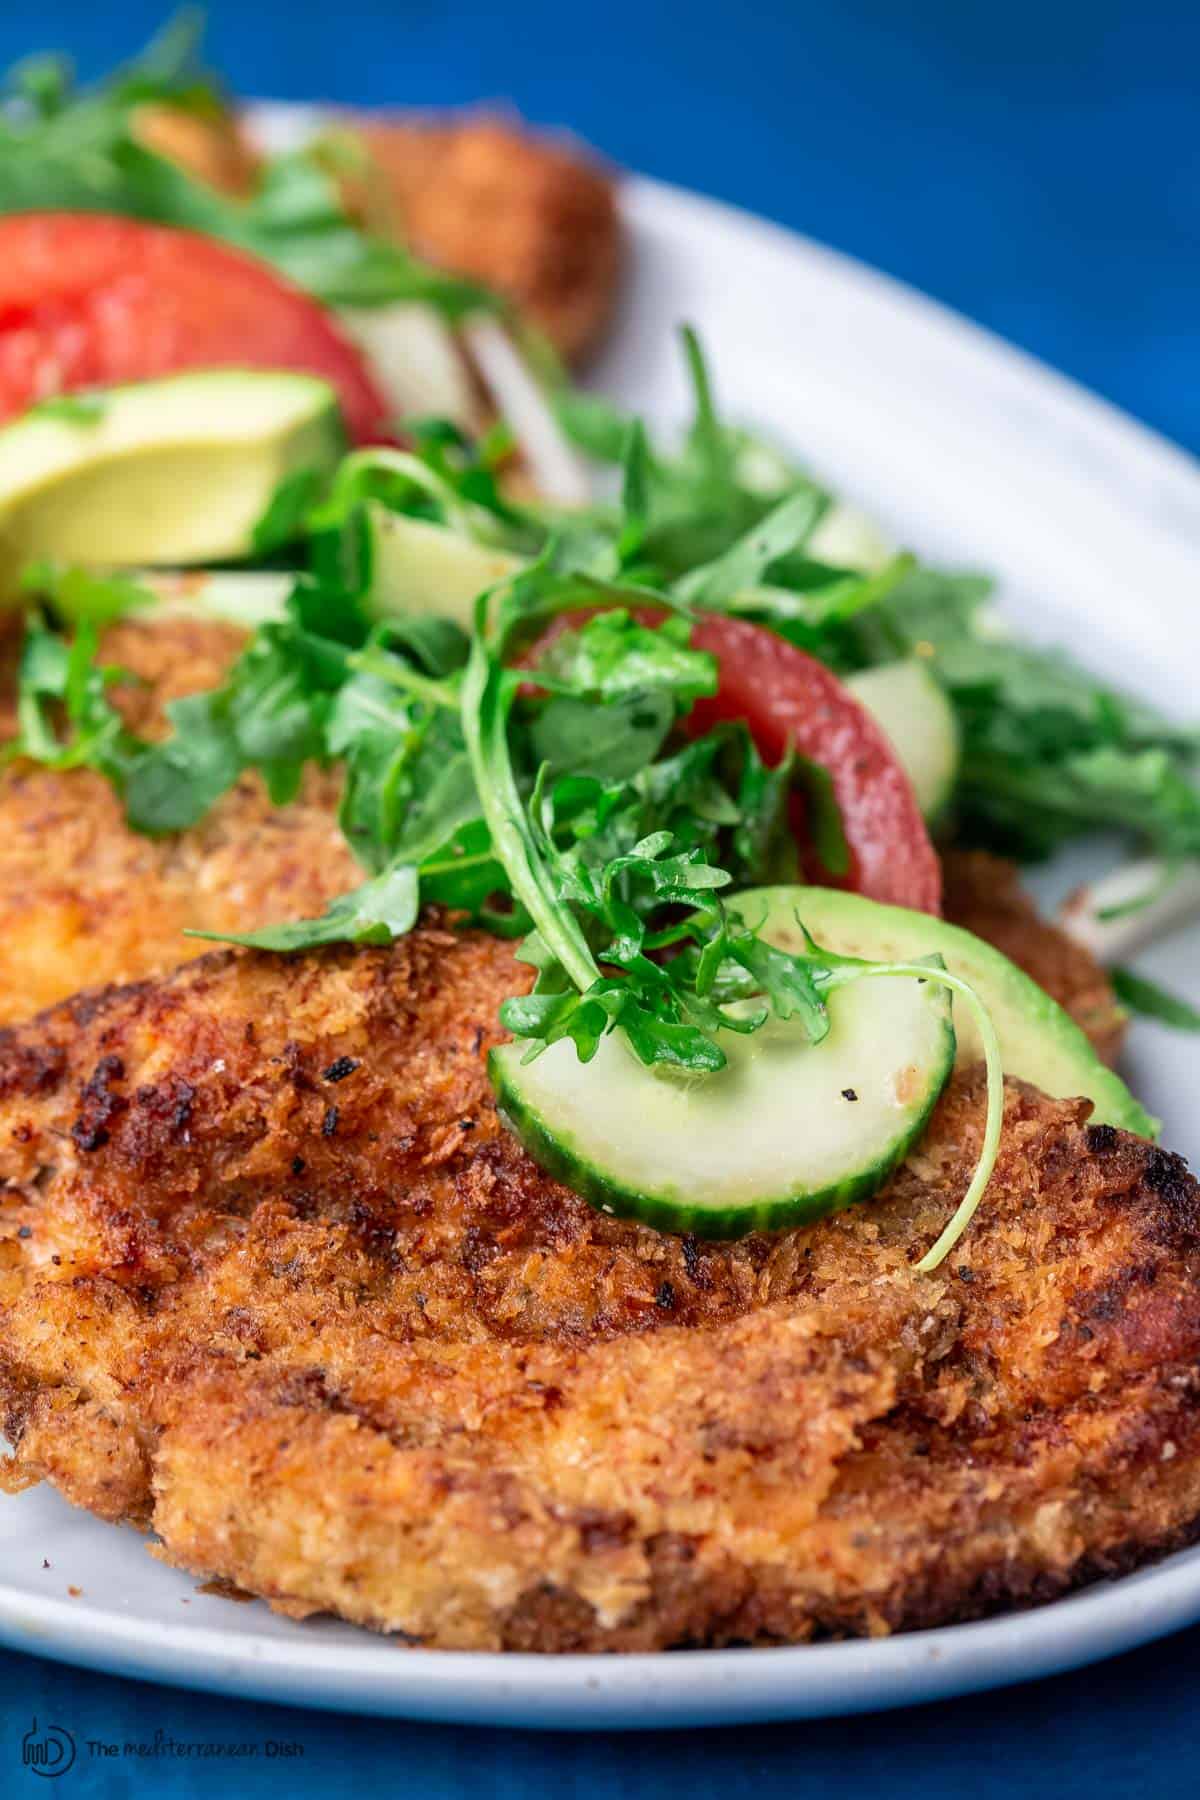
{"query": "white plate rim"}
(363, 1674)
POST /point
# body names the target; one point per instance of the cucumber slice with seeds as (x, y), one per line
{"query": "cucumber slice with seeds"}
(787, 1132)
(912, 706)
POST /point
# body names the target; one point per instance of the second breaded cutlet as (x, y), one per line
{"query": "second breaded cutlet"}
(84, 900)
(276, 1281)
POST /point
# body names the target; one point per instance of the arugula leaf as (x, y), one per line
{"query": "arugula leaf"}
(375, 913)
(65, 719)
(746, 562)
(593, 423)
(612, 656)
(173, 784)
(613, 741)
(82, 595)
(1141, 995)
(287, 511)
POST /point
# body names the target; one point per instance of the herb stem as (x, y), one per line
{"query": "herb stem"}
(994, 1122)
(403, 675)
(487, 692)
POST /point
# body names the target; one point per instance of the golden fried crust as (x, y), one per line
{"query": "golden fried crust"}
(210, 146)
(84, 900)
(983, 894)
(276, 1280)
(532, 217)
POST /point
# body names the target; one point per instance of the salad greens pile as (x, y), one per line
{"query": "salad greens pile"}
(571, 811)
(64, 149)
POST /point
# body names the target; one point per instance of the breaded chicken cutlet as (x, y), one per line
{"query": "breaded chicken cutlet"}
(276, 1282)
(84, 900)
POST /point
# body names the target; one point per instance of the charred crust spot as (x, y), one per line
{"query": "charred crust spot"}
(339, 1068)
(100, 1105)
(168, 1105)
(1168, 1175)
(29, 1068)
(1178, 1210)
(479, 1249)
(599, 1531)
(1100, 1139)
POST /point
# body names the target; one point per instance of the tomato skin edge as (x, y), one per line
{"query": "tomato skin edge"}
(788, 698)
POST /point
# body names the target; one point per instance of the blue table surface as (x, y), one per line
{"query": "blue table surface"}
(1036, 165)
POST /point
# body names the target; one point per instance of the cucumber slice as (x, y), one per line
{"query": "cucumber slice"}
(912, 706)
(1039, 1042)
(849, 539)
(417, 567)
(787, 1132)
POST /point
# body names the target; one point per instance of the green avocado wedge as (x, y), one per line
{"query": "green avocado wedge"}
(1039, 1042)
(171, 472)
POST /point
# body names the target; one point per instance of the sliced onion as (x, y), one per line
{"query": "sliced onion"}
(1169, 898)
(556, 471)
(415, 359)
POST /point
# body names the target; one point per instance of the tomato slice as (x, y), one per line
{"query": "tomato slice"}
(88, 299)
(789, 698)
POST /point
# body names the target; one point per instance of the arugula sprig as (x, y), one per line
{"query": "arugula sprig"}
(593, 903)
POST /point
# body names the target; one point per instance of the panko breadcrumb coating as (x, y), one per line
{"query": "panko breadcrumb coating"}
(531, 216)
(276, 1282)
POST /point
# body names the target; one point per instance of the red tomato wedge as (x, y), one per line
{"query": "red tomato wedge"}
(787, 697)
(88, 300)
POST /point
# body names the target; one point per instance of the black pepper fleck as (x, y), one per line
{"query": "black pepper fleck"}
(329, 1123)
(849, 1094)
(964, 1273)
(25, 1231)
(298, 1165)
(665, 1297)
(340, 1068)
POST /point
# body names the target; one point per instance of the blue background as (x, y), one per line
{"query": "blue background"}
(1035, 164)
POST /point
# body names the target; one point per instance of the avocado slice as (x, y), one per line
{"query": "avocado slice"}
(1039, 1042)
(167, 472)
